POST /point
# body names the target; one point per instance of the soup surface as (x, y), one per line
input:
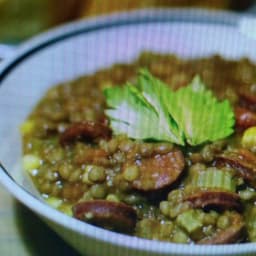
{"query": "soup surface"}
(201, 194)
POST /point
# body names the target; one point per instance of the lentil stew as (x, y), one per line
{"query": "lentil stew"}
(204, 194)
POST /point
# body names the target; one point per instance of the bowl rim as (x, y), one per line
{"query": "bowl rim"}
(56, 35)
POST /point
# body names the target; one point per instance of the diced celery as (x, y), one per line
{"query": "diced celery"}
(249, 138)
(31, 162)
(27, 127)
(190, 221)
(214, 178)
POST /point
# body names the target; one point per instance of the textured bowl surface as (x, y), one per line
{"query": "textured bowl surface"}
(85, 47)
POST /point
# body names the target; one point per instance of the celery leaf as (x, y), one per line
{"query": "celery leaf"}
(142, 114)
(200, 115)
(149, 109)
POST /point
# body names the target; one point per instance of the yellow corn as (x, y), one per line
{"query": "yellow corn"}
(31, 162)
(27, 127)
(249, 138)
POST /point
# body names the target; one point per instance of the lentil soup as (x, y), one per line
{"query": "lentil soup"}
(201, 194)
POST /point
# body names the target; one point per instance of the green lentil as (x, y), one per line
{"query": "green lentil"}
(85, 175)
(98, 191)
(223, 222)
(112, 145)
(133, 199)
(113, 198)
(165, 232)
(165, 208)
(97, 174)
(86, 196)
(247, 194)
(131, 173)
(180, 237)
(64, 170)
(210, 218)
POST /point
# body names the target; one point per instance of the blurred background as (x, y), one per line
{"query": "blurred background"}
(21, 19)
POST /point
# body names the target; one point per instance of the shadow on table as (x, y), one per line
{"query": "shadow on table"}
(39, 239)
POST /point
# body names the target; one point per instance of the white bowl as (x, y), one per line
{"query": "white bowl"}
(84, 47)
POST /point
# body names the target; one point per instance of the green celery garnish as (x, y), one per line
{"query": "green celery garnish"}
(150, 110)
(142, 115)
(200, 115)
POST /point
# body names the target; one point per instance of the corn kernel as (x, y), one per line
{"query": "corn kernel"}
(54, 201)
(27, 127)
(31, 162)
(66, 209)
(249, 138)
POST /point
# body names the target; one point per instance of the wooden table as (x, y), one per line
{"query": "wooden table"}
(22, 233)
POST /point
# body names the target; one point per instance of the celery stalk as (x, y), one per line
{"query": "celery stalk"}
(214, 178)
(189, 221)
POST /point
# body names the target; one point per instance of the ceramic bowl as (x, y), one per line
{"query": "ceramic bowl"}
(82, 48)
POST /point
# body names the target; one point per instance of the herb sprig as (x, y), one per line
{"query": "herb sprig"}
(150, 110)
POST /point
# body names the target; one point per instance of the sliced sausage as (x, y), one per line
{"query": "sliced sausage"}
(111, 215)
(85, 130)
(243, 161)
(247, 100)
(234, 233)
(158, 171)
(244, 118)
(213, 199)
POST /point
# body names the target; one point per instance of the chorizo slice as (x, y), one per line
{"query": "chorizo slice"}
(87, 130)
(234, 233)
(244, 118)
(214, 199)
(247, 100)
(243, 161)
(110, 215)
(158, 171)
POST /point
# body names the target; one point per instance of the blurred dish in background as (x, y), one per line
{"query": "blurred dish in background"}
(95, 7)
(20, 19)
